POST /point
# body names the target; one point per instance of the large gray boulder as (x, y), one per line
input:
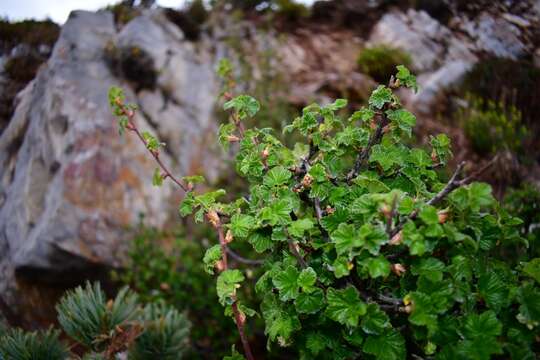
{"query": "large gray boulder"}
(70, 185)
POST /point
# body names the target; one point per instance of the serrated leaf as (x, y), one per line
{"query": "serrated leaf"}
(211, 257)
(157, 179)
(310, 303)
(345, 306)
(241, 225)
(363, 115)
(493, 290)
(345, 238)
(277, 176)
(375, 322)
(380, 96)
(245, 106)
(286, 282)
(307, 279)
(406, 78)
(389, 346)
(298, 227)
(532, 269)
(377, 266)
(372, 238)
(403, 119)
(227, 283)
(260, 241)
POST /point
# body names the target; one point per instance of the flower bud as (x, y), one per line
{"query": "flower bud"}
(219, 265)
(233, 138)
(434, 157)
(387, 211)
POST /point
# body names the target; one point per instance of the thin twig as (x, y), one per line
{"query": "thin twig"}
(242, 259)
(363, 155)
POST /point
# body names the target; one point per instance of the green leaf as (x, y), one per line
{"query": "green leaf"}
(345, 238)
(375, 322)
(307, 279)
(480, 325)
(224, 69)
(493, 290)
(225, 131)
(279, 321)
(363, 115)
(338, 104)
(389, 346)
(211, 257)
(529, 309)
(152, 143)
(430, 268)
(406, 78)
(277, 176)
(298, 227)
(402, 119)
(480, 196)
(378, 267)
(157, 179)
(316, 342)
(341, 267)
(241, 225)
(186, 206)
(309, 303)
(532, 269)
(227, 283)
(193, 179)
(387, 156)
(441, 147)
(244, 105)
(345, 306)
(372, 238)
(286, 282)
(380, 96)
(260, 241)
(277, 213)
(428, 215)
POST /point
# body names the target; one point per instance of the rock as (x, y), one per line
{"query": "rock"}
(495, 35)
(71, 186)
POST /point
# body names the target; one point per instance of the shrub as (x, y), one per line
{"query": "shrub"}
(491, 126)
(38, 345)
(369, 253)
(524, 202)
(380, 61)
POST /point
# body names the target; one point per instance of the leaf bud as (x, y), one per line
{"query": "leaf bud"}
(397, 239)
(307, 180)
(213, 218)
(228, 237)
(265, 153)
(443, 216)
(398, 269)
(233, 138)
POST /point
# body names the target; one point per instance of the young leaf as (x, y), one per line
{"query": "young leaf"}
(227, 283)
(345, 306)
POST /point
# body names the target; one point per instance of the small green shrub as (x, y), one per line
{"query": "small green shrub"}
(16, 344)
(369, 252)
(491, 126)
(291, 10)
(524, 203)
(380, 61)
(123, 12)
(30, 32)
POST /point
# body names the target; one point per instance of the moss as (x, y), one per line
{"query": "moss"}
(380, 61)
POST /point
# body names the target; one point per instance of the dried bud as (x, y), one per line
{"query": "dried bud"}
(307, 180)
(110, 304)
(398, 269)
(330, 210)
(373, 124)
(387, 129)
(265, 153)
(164, 286)
(387, 211)
(397, 239)
(443, 215)
(407, 309)
(233, 138)
(219, 265)
(213, 218)
(434, 156)
(228, 237)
